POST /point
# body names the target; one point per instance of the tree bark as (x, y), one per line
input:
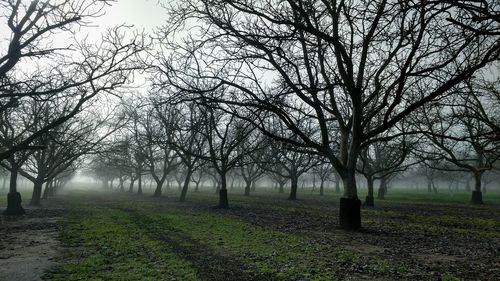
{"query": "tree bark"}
(131, 186)
(46, 190)
(122, 188)
(223, 201)
(350, 205)
(37, 192)
(382, 189)
(53, 187)
(293, 190)
(282, 187)
(477, 196)
(139, 185)
(248, 186)
(186, 185)
(322, 187)
(158, 190)
(14, 207)
(369, 201)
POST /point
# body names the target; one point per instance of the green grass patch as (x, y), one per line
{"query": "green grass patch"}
(113, 247)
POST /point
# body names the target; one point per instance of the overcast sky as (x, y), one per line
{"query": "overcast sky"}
(143, 14)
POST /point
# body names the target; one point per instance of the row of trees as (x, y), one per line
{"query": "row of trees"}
(188, 142)
(341, 76)
(364, 87)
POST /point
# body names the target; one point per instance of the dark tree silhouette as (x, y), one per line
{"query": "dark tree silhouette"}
(355, 69)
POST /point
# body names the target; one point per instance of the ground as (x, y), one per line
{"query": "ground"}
(114, 236)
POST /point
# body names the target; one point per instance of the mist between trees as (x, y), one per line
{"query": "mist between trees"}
(252, 93)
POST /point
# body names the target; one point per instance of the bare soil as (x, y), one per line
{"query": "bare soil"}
(29, 244)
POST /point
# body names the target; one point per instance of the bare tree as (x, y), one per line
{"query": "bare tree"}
(253, 150)
(81, 71)
(224, 134)
(353, 68)
(324, 171)
(461, 139)
(289, 164)
(380, 160)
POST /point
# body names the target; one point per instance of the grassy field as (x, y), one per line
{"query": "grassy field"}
(408, 236)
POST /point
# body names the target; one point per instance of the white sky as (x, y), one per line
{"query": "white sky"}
(143, 14)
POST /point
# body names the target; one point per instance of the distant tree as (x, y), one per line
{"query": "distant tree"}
(187, 140)
(224, 133)
(289, 164)
(324, 171)
(253, 149)
(63, 145)
(459, 138)
(4, 174)
(379, 161)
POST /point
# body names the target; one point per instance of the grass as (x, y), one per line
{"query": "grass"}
(122, 240)
(126, 237)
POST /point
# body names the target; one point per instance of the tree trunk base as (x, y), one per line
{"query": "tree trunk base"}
(369, 201)
(223, 202)
(477, 197)
(350, 213)
(14, 207)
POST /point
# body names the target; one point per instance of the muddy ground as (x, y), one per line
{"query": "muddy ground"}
(30, 244)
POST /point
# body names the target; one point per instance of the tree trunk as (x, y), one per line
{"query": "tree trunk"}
(369, 201)
(293, 190)
(131, 186)
(232, 183)
(14, 207)
(122, 188)
(37, 192)
(217, 187)
(248, 186)
(186, 185)
(52, 188)
(223, 201)
(477, 196)
(322, 187)
(282, 187)
(350, 205)
(382, 189)
(196, 188)
(139, 185)
(46, 191)
(159, 186)
(254, 183)
(105, 184)
(337, 186)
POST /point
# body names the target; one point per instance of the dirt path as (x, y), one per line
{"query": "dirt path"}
(29, 245)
